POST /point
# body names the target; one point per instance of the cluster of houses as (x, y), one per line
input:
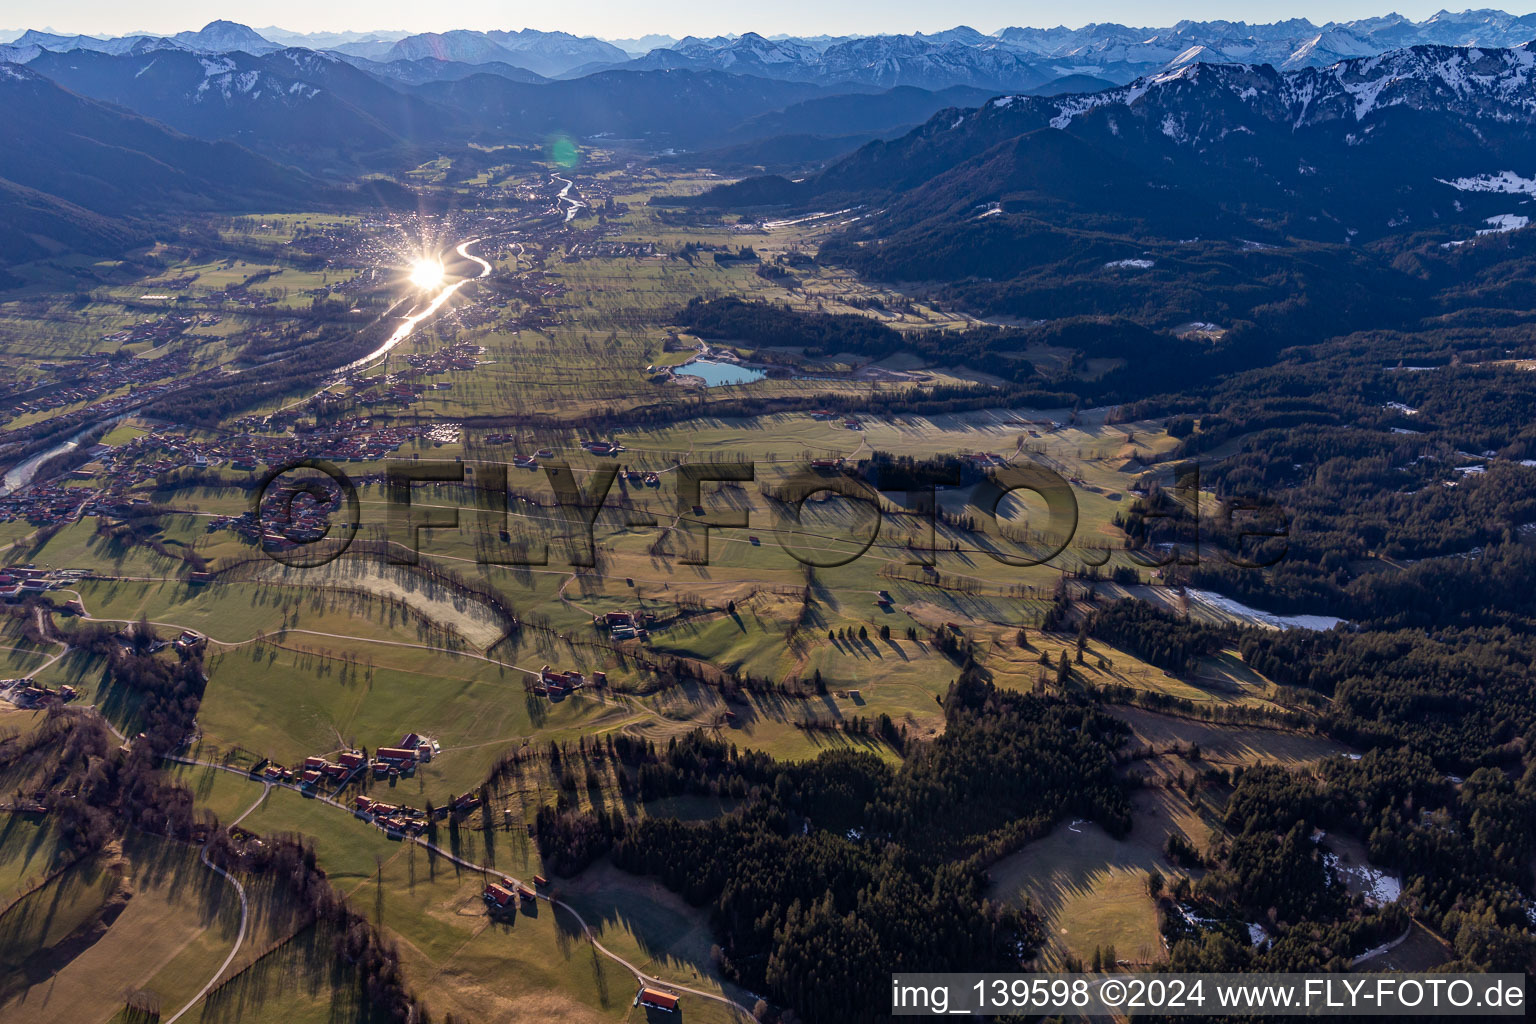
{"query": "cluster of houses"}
(158, 332)
(239, 295)
(403, 387)
(635, 476)
(459, 356)
(100, 376)
(290, 515)
(404, 820)
(25, 693)
(626, 625)
(349, 765)
(396, 819)
(507, 894)
(984, 458)
(21, 581)
(45, 504)
(530, 461)
(826, 415)
(554, 683)
(350, 439)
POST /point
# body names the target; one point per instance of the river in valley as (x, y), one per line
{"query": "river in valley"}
(424, 312)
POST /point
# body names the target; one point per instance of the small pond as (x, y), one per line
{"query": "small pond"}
(714, 374)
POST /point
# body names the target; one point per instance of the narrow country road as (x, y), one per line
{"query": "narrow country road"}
(245, 912)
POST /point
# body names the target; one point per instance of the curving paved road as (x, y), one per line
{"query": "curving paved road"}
(245, 912)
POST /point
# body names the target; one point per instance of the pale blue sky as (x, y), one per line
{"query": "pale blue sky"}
(627, 18)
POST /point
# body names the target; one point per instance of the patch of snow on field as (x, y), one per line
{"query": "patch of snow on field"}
(1131, 264)
(1193, 918)
(1506, 182)
(1376, 885)
(1252, 615)
(771, 224)
(1504, 222)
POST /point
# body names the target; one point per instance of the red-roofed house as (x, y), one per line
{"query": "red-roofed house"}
(658, 1000)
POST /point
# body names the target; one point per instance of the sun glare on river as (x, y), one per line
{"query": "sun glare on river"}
(426, 274)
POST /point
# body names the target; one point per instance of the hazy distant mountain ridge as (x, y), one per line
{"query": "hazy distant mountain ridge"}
(1020, 58)
(545, 53)
(1013, 58)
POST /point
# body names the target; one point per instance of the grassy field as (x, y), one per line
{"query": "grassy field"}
(1091, 888)
(298, 982)
(1227, 746)
(147, 916)
(358, 653)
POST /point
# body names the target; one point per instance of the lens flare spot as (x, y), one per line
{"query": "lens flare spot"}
(426, 274)
(563, 152)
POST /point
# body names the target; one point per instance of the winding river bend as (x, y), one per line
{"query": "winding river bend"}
(20, 475)
(425, 312)
(565, 197)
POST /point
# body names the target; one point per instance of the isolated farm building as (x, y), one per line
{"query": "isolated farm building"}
(658, 1000)
(497, 895)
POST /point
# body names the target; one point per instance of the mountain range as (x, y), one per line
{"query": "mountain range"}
(303, 107)
(334, 114)
(1262, 151)
(1012, 58)
(1269, 167)
(88, 171)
